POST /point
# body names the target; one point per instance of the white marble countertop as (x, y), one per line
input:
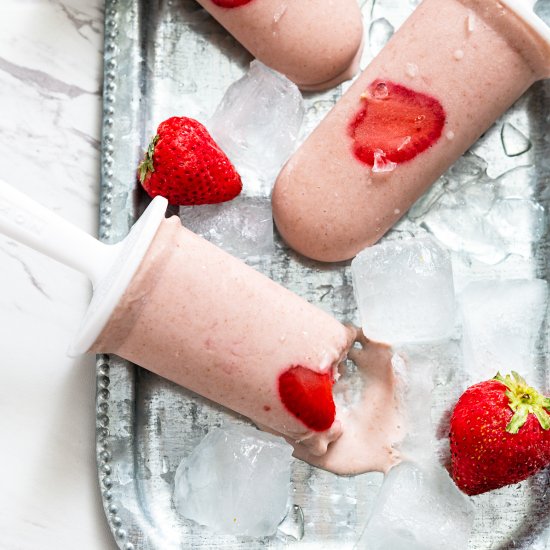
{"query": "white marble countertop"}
(50, 112)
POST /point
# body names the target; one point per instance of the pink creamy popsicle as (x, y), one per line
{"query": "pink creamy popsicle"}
(177, 305)
(438, 84)
(315, 43)
(203, 319)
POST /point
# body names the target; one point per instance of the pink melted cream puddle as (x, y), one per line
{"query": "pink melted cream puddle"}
(372, 427)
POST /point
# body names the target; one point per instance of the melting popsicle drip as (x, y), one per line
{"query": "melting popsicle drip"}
(395, 120)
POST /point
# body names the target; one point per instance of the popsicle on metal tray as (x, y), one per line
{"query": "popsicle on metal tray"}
(177, 305)
(315, 43)
(439, 83)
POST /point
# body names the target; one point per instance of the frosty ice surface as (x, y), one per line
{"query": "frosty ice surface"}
(236, 481)
(257, 124)
(405, 291)
(502, 321)
(243, 227)
(419, 509)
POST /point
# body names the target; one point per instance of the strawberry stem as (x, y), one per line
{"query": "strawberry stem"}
(523, 399)
(147, 167)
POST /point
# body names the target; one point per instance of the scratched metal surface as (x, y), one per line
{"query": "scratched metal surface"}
(165, 57)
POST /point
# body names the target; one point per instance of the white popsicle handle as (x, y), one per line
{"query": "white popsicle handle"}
(525, 10)
(31, 224)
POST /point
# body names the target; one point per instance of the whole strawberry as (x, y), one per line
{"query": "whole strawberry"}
(184, 164)
(499, 434)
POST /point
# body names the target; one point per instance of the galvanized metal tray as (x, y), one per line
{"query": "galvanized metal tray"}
(168, 57)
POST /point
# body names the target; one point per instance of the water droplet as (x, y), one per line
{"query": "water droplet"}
(381, 163)
(380, 31)
(293, 524)
(278, 15)
(380, 91)
(419, 120)
(458, 55)
(412, 70)
(513, 141)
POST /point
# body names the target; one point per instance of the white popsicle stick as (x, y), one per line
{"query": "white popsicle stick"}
(28, 222)
(109, 267)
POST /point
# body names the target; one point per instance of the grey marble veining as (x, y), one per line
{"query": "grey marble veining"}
(50, 116)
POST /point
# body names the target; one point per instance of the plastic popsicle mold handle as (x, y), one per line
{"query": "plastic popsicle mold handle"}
(526, 10)
(109, 267)
(31, 224)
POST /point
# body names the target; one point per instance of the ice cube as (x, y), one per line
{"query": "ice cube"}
(380, 31)
(404, 290)
(292, 527)
(519, 222)
(463, 228)
(236, 481)
(501, 323)
(415, 389)
(381, 163)
(419, 508)
(430, 381)
(243, 227)
(514, 142)
(467, 169)
(257, 124)
(428, 200)
(518, 183)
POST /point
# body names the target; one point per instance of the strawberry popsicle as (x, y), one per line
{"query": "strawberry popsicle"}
(438, 84)
(315, 43)
(203, 319)
(177, 305)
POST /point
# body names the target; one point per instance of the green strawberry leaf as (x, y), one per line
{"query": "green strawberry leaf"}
(147, 167)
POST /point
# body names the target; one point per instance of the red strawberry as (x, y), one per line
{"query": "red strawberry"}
(500, 434)
(395, 123)
(184, 164)
(230, 3)
(307, 395)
